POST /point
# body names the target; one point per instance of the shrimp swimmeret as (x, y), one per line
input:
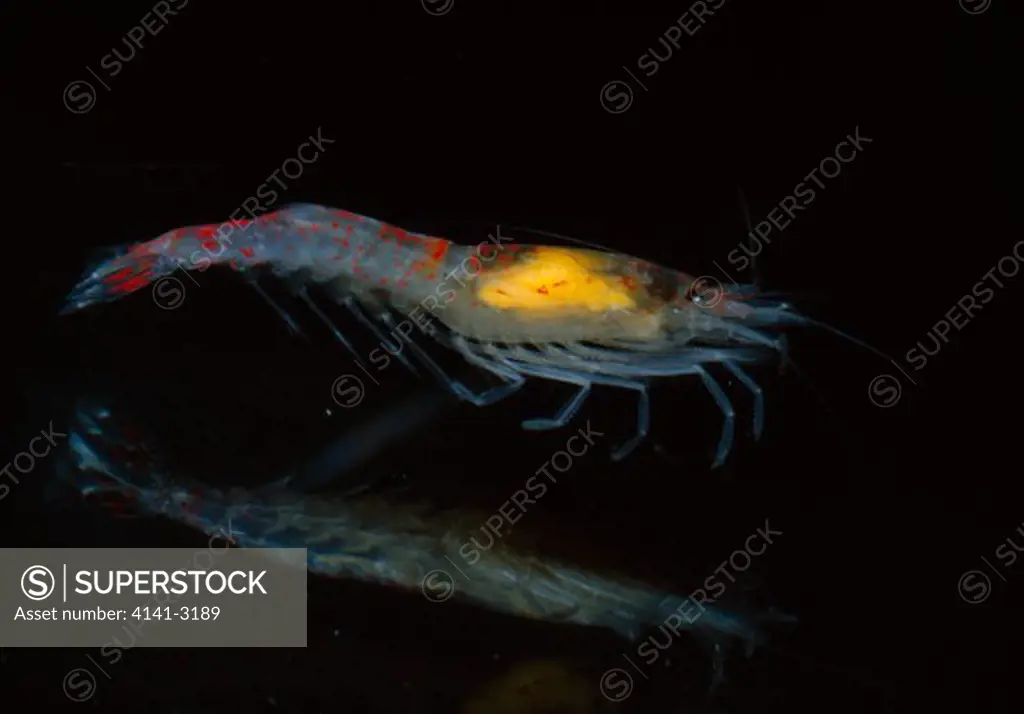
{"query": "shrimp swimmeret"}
(580, 316)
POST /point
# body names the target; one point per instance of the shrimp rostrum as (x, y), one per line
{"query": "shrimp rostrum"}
(577, 315)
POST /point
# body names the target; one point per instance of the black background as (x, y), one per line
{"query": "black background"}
(491, 114)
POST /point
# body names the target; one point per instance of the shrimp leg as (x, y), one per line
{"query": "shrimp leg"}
(728, 413)
(288, 320)
(758, 393)
(566, 413)
(353, 307)
(304, 295)
(643, 417)
(511, 378)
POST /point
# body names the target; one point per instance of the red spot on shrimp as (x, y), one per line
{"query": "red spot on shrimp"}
(209, 244)
(131, 285)
(629, 283)
(387, 231)
(205, 231)
(438, 248)
(344, 242)
(335, 225)
(118, 276)
(142, 250)
(248, 252)
(543, 290)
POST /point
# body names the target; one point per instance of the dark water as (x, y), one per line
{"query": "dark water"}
(449, 125)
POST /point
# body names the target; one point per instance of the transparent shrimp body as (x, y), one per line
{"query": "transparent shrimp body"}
(580, 316)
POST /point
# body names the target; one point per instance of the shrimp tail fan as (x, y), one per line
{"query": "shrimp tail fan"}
(116, 272)
(108, 461)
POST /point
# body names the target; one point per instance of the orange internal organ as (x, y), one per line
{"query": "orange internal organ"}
(556, 279)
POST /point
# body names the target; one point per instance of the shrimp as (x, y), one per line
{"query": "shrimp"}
(577, 315)
(411, 546)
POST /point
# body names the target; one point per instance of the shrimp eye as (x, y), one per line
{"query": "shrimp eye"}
(694, 296)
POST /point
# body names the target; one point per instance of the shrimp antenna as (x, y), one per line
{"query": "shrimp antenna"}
(784, 308)
(783, 314)
(750, 230)
(557, 236)
(839, 333)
